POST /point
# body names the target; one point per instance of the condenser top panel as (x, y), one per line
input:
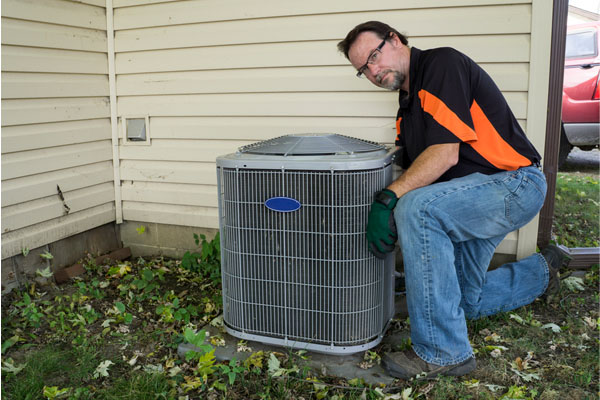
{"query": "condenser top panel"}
(309, 152)
(312, 144)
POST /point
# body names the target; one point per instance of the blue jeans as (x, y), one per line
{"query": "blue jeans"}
(448, 232)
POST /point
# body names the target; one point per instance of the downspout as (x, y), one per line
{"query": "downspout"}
(112, 83)
(553, 117)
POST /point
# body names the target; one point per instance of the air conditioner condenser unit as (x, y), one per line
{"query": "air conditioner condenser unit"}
(295, 262)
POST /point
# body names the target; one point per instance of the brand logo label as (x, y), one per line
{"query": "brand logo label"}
(282, 204)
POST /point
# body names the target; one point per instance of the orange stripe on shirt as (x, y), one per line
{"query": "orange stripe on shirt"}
(491, 146)
(398, 128)
(446, 117)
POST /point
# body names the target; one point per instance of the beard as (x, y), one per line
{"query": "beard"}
(393, 84)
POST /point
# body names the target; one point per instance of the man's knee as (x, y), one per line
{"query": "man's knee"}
(410, 206)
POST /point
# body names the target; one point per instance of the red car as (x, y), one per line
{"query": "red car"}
(581, 89)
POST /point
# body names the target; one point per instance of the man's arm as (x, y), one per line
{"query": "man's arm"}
(427, 168)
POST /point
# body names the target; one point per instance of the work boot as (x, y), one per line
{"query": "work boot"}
(407, 364)
(554, 257)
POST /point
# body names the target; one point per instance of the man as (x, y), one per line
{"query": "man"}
(471, 177)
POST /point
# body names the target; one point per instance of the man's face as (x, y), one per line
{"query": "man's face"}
(389, 67)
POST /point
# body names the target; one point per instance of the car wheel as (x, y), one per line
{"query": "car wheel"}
(564, 147)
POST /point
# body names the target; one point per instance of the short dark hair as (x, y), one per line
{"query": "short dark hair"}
(379, 28)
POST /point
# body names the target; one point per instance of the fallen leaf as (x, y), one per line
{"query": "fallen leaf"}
(519, 363)
(590, 322)
(107, 322)
(217, 340)
(273, 365)
(473, 383)
(9, 366)
(574, 284)
(102, 369)
(485, 332)
(517, 318)
(555, 328)
(255, 360)
(495, 388)
(527, 377)
(153, 369)
(365, 365)
(242, 346)
(494, 337)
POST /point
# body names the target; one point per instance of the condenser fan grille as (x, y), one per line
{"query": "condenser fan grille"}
(306, 275)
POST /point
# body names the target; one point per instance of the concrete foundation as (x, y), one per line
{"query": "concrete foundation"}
(20, 269)
(161, 239)
(347, 366)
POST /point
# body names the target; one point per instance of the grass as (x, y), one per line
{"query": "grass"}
(113, 334)
(50, 366)
(71, 368)
(576, 222)
(519, 355)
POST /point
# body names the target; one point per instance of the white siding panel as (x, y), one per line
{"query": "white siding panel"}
(16, 85)
(181, 150)
(36, 34)
(374, 104)
(20, 190)
(509, 77)
(126, 3)
(256, 128)
(506, 49)
(26, 59)
(97, 3)
(169, 171)
(511, 48)
(55, 229)
(371, 104)
(30, 137)
(171, 214)
(243, 81)
(15, 165)
(40, 210)
(56, 12)
(35, 111)
(460, 21)
(170, 193)
(184, 12)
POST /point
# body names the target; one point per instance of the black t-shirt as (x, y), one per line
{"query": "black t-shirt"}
(453, 100)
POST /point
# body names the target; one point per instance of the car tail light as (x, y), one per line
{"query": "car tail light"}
(596, 95)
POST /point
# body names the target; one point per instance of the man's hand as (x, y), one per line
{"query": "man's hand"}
(381, 229)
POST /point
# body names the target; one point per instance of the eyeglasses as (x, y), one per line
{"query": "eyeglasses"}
(373, 57)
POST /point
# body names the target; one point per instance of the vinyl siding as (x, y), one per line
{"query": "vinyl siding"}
(215, 75)
(55, 122)
(212, 75)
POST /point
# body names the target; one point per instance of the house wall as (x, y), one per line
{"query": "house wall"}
(214, 75)
(55, 122)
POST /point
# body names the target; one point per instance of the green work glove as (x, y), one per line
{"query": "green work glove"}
(381, 228)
